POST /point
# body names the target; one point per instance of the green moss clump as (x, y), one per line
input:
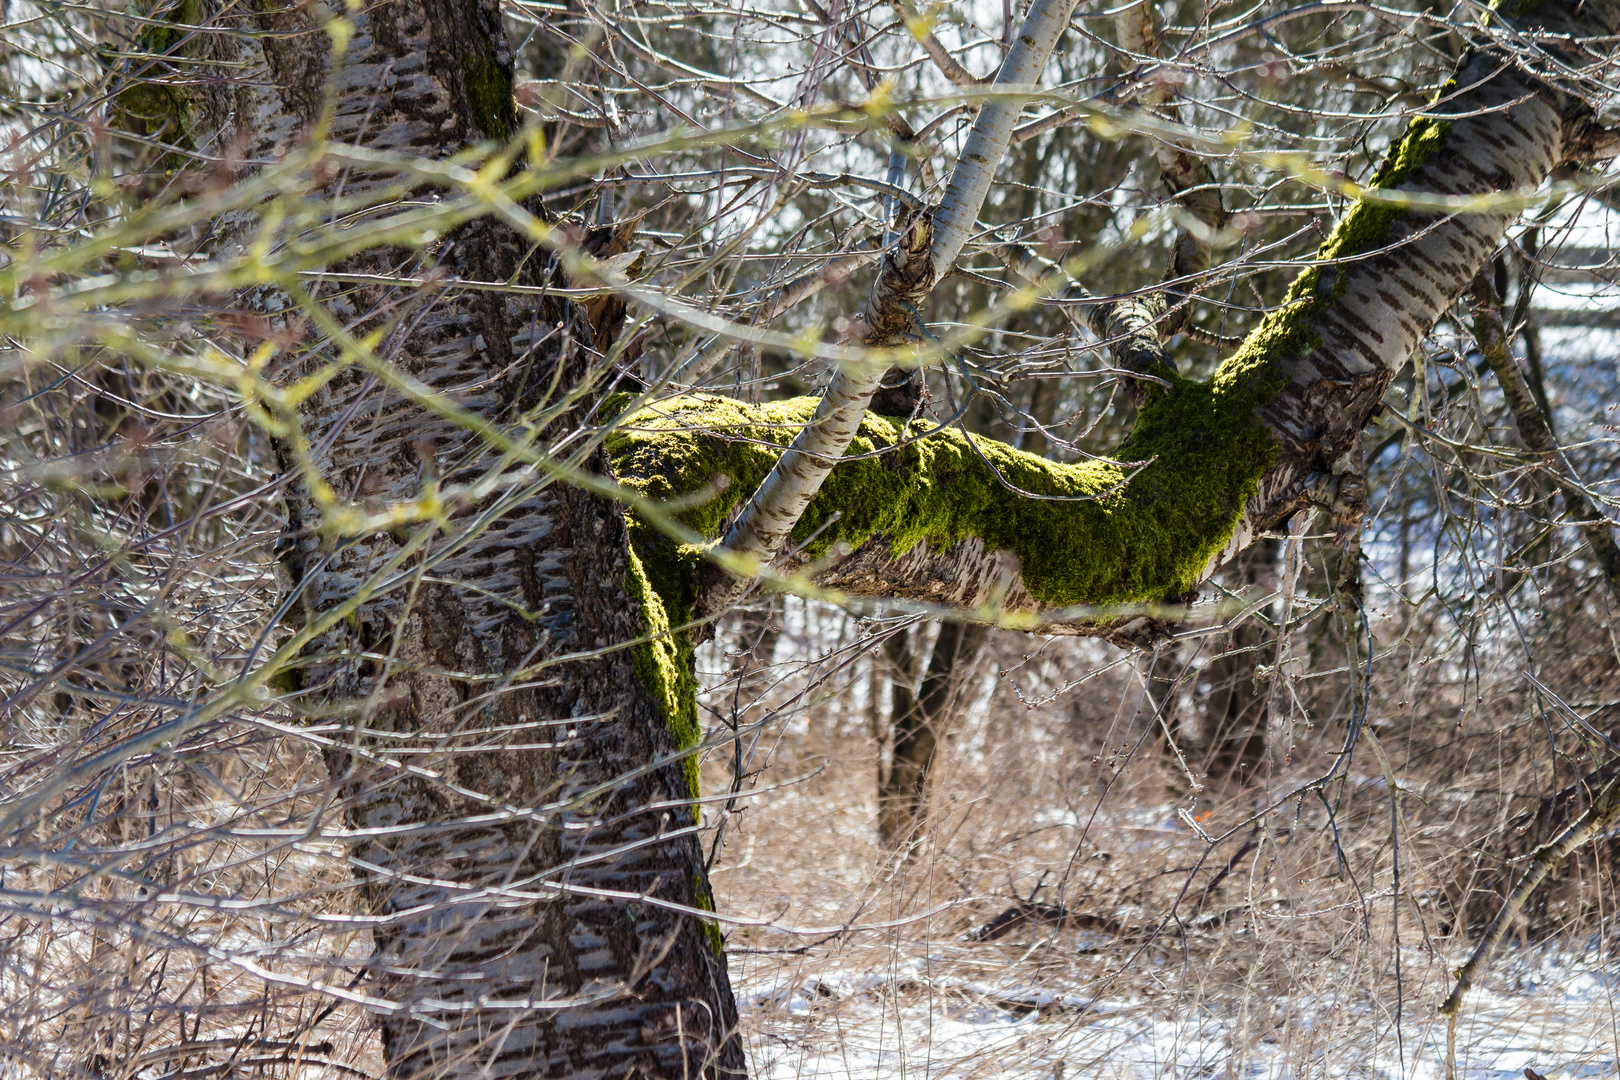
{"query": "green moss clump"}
(664, 665)
(489, 93)
(1367, 224)
(1145, 540)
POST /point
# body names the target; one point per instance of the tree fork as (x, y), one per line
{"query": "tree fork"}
(1208, 466)
(928, 247)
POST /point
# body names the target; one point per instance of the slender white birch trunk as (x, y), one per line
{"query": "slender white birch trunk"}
(927, 251)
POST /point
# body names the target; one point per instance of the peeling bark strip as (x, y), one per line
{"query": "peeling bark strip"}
(949, 520)
(926, 252)
(498, 943)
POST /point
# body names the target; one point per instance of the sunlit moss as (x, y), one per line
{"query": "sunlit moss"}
(1148, 525)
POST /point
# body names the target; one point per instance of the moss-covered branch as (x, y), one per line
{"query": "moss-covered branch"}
(1146, 527)
(1142, 528)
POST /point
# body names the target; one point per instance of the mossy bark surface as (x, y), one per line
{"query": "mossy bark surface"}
(1139, 528)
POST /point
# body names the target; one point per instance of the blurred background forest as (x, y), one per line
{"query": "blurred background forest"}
(1259, 848)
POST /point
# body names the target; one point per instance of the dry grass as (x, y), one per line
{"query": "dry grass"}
(1283, 948)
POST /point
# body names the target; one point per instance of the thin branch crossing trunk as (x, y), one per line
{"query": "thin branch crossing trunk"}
(517, 813)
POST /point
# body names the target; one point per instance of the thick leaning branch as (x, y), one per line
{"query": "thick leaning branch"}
(967, 521)
(926, 252)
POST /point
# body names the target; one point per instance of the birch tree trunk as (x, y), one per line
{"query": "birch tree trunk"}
(926, 251)
(522, 831)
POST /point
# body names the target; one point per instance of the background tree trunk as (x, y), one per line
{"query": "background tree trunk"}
(759, 627)
(918, 723)
(1234, 715)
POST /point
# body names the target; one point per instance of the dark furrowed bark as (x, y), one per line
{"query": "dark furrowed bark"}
(494, 791)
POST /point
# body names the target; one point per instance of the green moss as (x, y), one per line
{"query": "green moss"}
(1367, 224)
(663, 663)
(289, 680)
(703, 897)
(489, 93)
(1144, 540)
(1290, 328)
(159, 104)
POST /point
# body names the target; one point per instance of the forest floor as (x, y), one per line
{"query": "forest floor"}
(1552, 1010)
(871, 969)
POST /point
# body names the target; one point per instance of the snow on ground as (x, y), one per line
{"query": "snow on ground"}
(1556, 1013)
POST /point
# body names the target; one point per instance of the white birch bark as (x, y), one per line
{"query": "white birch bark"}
(1311, 378)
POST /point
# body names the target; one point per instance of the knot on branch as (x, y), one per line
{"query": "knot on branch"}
(1343, 494)
(1131, 328)
(903, 282)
